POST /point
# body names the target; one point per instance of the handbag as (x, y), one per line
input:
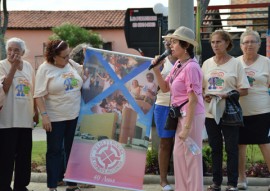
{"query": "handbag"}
(171, 123)
(172, 118)
(232, 115)
(175, 111)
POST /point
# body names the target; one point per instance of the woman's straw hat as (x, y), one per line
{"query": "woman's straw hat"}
(184, 34)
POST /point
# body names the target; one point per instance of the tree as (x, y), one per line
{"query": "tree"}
(75, 35)
(3, 28)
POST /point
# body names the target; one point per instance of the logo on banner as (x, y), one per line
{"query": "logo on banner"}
(107, 156)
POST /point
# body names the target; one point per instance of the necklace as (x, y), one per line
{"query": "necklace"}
(182, 62)
(178, 69)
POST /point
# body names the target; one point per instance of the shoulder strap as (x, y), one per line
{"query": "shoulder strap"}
(183, 104)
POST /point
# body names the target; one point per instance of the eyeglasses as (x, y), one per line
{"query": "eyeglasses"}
(252, 42)
(64, 57)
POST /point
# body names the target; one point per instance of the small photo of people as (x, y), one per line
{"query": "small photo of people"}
(143, 89)
(115, 103)
(95, 79)
(122, 64)
(113, 118)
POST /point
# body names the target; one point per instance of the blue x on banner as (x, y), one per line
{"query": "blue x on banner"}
(113, 130)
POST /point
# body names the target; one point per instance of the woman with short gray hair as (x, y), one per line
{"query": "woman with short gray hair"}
(256, 105)
(16, 117)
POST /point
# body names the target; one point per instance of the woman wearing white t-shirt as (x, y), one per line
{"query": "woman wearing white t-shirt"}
(16, 117)
(222, 74)
(58, 96)
(256, 105)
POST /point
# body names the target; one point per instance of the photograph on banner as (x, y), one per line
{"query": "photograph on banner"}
(143, 89)
(115, 119)
(96, 77)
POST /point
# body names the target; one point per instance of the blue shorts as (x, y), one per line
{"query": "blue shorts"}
(160, 115)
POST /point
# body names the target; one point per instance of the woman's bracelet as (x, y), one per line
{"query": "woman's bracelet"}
(44, 113)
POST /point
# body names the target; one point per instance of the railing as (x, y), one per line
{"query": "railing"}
(236, 18)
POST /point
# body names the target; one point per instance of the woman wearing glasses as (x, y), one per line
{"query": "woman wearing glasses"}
(256, 105)
(58, 96)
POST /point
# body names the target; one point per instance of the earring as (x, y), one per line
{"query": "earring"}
(185, 51)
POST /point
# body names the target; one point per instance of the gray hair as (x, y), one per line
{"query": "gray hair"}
(77, 53)
(250, 32)
(18, 41)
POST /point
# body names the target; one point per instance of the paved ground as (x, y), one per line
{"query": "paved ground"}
(151, 183)
(147, 187)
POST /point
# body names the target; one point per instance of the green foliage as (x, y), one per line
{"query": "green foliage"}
(152, 162)
(3, 53)
(206, 152)
(256, 166)
(39, 152)
(75, 35)
(254, 154)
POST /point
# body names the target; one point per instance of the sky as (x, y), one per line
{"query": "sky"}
(90, 4)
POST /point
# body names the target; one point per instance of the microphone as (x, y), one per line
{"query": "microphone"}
(161, 57)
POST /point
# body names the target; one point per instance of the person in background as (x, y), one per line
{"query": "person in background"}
(256, 105)
(58, 97)
(2, 93)
(135, 89)
(16, 117)
(185, 83)
(77, 54)
(161, 111)
(149, 89)
(106, 79)
(222, 74)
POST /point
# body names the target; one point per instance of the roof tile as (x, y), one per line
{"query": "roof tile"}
(48, 19)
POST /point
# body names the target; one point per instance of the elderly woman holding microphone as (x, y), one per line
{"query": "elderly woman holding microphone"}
(185, 84)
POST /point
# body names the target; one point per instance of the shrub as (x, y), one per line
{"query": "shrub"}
(152, 162)
(258, 170)
(75, 35)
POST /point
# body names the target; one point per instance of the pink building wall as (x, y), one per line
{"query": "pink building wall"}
(34, 40)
